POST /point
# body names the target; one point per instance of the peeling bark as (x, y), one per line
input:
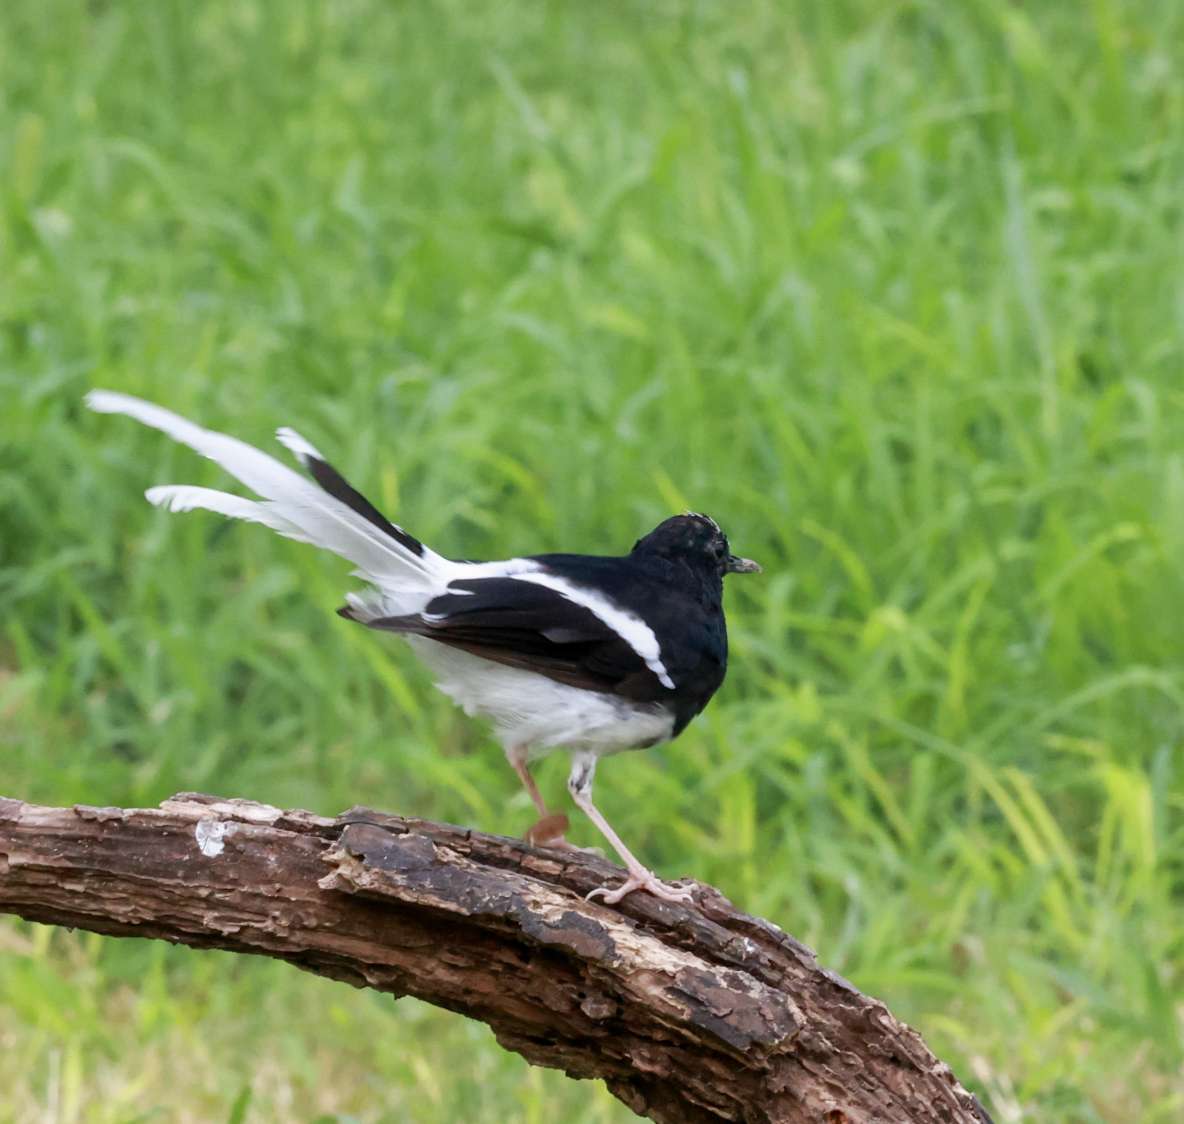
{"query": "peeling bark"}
(689, 1014)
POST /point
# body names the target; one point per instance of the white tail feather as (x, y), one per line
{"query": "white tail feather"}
(186, 497)
(300, 448)
(297, 508)
(373, 605)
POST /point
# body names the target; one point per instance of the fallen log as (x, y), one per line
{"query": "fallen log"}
(689, 1013)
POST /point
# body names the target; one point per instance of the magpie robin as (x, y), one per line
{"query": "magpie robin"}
(592, 654)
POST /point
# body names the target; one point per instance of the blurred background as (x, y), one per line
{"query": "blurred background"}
(894, 291)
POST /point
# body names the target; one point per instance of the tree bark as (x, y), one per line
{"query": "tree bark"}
(689, 1014)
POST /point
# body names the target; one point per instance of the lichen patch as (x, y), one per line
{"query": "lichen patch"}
(210, 834)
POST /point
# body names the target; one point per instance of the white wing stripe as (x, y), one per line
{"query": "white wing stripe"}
(628, 626)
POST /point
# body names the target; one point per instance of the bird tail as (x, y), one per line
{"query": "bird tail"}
(328, 513)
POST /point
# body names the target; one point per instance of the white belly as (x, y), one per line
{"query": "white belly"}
(531, 710)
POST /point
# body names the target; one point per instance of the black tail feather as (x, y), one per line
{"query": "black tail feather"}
(341, 489)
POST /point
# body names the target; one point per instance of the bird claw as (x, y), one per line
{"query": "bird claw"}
(548, 832)
(643, 880)
(561, 844)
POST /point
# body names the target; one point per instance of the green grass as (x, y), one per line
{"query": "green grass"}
(893, 291)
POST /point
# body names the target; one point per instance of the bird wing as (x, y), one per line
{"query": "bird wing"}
(524, 621)
(574, 618)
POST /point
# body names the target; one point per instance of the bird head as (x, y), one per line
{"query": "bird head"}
(697, 540)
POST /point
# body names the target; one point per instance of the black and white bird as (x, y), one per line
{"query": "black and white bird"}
(581, 652)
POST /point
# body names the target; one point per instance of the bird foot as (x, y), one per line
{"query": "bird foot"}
(548, 832)
(642, 879)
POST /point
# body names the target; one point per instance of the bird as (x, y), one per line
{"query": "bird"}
(592, 654)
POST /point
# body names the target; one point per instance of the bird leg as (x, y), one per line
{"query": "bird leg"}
(550, 826)
(579, 784)
(516, 755)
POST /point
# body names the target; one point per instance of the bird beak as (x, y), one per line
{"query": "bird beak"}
(741, 566)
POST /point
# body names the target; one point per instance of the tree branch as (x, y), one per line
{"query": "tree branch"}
(688, 1014)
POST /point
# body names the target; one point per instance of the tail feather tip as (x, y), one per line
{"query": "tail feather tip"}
(297, 445)
(104, 401)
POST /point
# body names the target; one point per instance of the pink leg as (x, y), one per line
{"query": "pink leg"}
(548, 830)
(516, 755)
(579, 784)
